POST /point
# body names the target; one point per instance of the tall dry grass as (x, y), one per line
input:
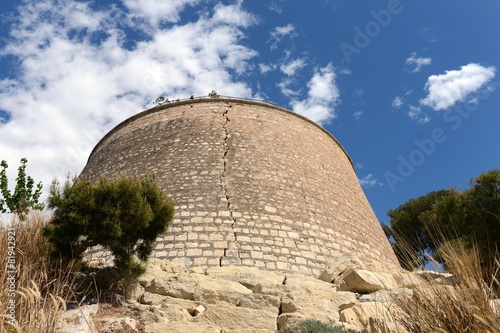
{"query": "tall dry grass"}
(43, 285)
(459, 303)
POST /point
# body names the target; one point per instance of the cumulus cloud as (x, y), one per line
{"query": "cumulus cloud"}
(281, 32)
(444, 90)
(369, 181)
(322, 98)
(79, 71)
(416, 63)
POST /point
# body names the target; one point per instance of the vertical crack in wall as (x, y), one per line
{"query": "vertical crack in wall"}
(232, 253)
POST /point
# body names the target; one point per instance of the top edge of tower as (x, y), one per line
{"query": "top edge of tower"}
(198, 100)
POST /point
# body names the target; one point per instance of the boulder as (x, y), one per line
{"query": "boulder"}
(180, 286)
(363, 282)
(340, 266)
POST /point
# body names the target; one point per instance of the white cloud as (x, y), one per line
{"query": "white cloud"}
(275, 8)
(323, 96)
(397, 102)
(154, 12)
(357, 115)
(293, 66)
(265, 68)
(369, 181)
(444, 90)
(281, 32)
(417, 62)
(415, 113)
(79, 72)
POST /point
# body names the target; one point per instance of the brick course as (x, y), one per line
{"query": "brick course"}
(253, 184)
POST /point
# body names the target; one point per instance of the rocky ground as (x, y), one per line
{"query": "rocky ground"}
(235, 299)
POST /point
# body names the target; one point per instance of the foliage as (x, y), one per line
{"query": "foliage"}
(312, 326)
(23, 199)
(213, 94)
(124, 216)
(447, 217)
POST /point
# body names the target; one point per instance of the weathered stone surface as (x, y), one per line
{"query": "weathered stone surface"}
(250, 277)
(78, 320)
(179, 286)
(156, 268)
(373, 317)
(132, 289)
(233, 318)
(345, 299)
(383, 296)
(340, 266)
(408, 280)
(118, 325)
(181, 327)
(362, 281)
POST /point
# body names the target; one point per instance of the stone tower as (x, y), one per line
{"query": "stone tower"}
(253, 184)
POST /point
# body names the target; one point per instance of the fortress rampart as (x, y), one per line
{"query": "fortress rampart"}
(253, 184)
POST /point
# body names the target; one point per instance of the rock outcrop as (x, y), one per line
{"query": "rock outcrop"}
(169, 298)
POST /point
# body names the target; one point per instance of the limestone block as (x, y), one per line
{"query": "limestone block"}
(309, 306)
(340, 266)
(345, 299)
(361, 281)
(233, 318)
(156, 268)
(151, 298)
(179, 286)
(250, 277)
(372, 317)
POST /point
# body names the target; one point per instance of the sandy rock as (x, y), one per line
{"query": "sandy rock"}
(384, 296)
(363, 282)
(145, 314)
(78, 320)
(345, 299)
(181, 327)
(340, 266)
(250, 277)
(233, 318)
(310, 286)
(308, 306)
(118, 325)
(180, 286)
(157, 268)
(373, 317)
(408, 280)
(132, 289)
(199, 310)
(151, 298)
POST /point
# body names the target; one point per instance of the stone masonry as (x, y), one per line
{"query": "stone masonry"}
(253, 184)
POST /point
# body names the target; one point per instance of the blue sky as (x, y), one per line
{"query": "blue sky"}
(410, 88)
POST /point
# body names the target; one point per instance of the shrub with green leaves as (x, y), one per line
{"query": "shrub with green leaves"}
(125, 216)
(23, 198)
(312, 326)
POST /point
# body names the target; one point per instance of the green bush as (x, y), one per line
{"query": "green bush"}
(312, 326)
(124, 216)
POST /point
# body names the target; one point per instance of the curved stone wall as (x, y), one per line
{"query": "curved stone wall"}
(253, 184)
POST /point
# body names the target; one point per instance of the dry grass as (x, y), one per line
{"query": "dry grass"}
(43, 285)
(457, 304)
